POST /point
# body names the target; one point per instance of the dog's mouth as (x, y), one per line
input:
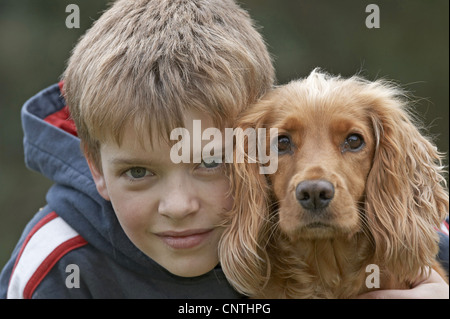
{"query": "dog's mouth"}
(314, 230)
(316, 225)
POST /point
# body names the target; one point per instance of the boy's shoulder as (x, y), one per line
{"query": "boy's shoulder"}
(46, 242)
(52, 260)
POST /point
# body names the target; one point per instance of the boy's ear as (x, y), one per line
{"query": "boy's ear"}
(99, 180)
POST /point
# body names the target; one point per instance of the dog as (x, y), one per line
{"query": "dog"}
(354, 204)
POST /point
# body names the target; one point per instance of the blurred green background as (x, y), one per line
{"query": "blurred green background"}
(411, 46)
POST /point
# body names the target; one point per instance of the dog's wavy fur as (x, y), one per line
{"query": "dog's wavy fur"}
(390, 194)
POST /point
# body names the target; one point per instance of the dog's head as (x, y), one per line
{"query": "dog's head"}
(325, 148)
(350, 159)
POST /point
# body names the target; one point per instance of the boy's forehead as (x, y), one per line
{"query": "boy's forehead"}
(198, 130)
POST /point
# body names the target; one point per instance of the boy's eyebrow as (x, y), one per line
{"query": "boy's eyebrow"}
(134, 161)
(118, 161)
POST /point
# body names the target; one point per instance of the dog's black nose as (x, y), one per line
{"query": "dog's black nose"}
(314, 194)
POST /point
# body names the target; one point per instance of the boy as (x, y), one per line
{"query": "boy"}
(144, 227)
(125, 221)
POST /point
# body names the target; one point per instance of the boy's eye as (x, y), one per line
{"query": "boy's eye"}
(137, 172)
(210, 163)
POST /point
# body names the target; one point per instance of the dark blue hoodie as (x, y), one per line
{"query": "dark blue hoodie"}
(74, 247)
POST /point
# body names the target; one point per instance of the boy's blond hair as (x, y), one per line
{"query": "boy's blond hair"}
(146, 62)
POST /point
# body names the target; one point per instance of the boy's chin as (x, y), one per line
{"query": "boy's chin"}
(189, 269)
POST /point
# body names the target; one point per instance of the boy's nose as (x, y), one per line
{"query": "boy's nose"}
(178, 201)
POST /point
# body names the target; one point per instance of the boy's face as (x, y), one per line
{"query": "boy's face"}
(169, 211)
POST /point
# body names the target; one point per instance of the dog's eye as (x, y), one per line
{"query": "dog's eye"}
(353, 142)
(284, 144)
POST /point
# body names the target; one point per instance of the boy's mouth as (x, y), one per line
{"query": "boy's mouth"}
(184, 239)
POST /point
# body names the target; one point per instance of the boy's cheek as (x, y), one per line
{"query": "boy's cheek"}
(228, 203)
(218, 195)
(132, 215)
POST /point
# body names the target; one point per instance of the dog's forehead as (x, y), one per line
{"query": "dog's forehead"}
(319, 111)
(298, 108)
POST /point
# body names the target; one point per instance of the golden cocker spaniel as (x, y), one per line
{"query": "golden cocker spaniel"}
(358, 193)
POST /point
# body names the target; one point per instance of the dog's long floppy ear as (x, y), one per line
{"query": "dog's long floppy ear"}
(406, 190)
(243, 247)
